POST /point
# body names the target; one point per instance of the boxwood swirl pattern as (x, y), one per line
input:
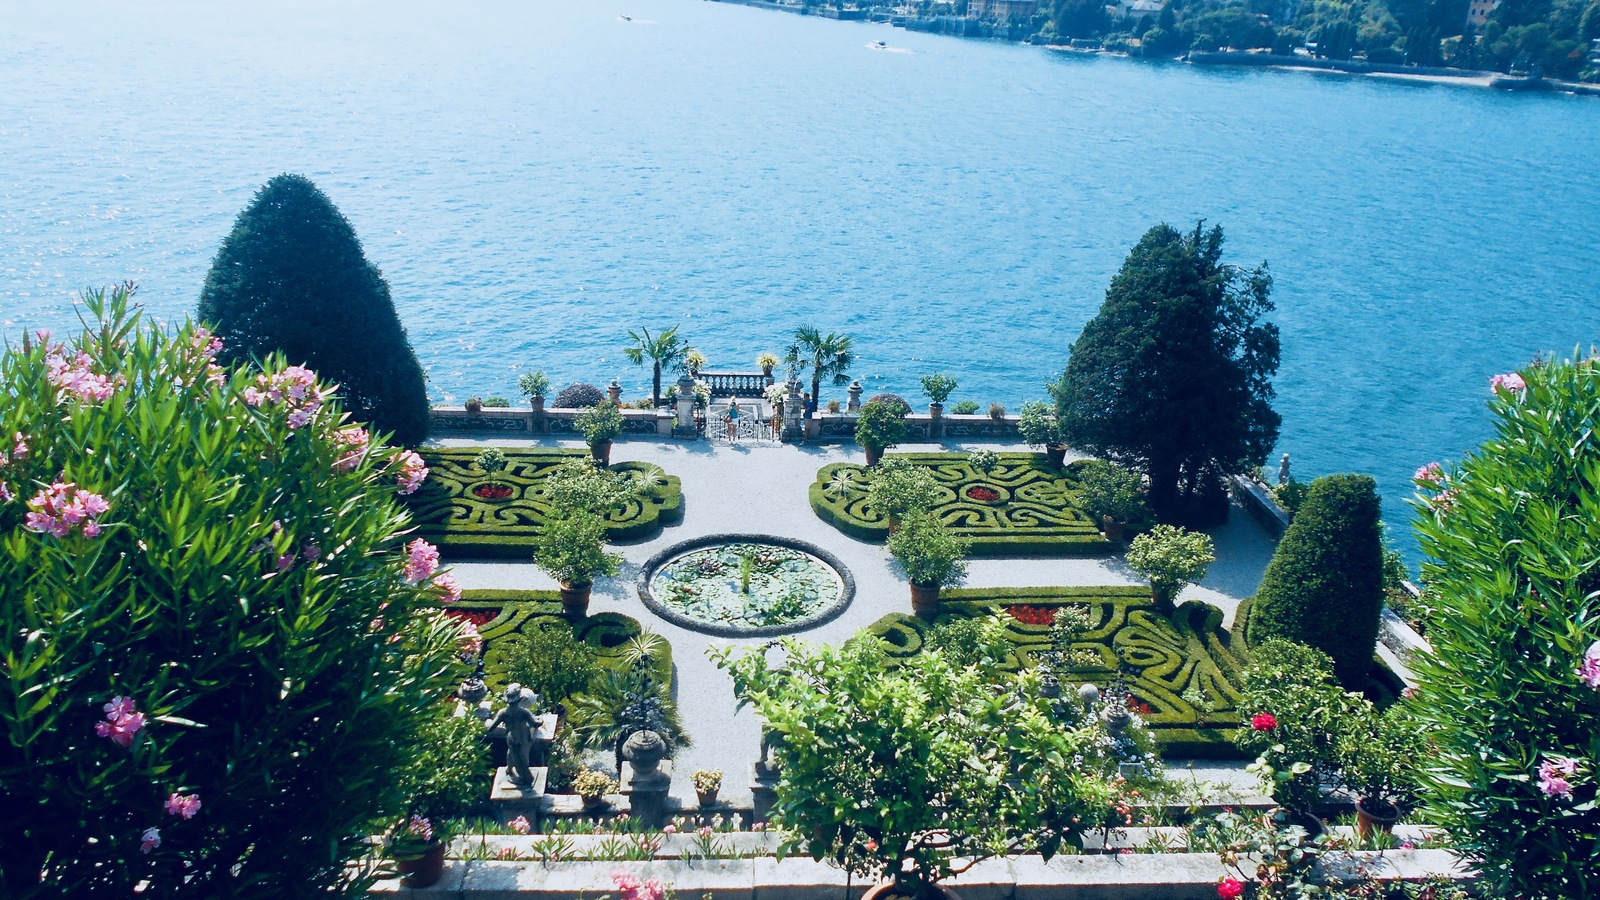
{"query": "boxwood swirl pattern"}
(448, 514)
(510, 614)
(1036, 513)
(1161, 657)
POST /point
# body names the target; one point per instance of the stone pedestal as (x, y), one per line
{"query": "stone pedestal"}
(512, 800)
(794, 412)
(614, 391)
(685, 424)
(854, 391)
(764, 792)
(647, 793)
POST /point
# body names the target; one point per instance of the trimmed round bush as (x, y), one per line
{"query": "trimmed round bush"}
(578, 396)
(218, 657)
(894, 400)
(1324, 586)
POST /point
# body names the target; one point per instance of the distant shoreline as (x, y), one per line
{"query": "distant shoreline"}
(1423, 74)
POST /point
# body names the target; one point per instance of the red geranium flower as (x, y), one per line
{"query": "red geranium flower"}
(1229, 888)
(1263, 721)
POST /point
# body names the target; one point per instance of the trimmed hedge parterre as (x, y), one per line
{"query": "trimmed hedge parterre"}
(1170, 655)
(1037, 511)
(448, 514)
(513, 612)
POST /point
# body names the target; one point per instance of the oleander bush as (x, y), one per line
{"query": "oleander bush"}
(1324, 586)
(1168, 655)
(215, 646)
(1036, 509)
(1511, 538)
(449, 514)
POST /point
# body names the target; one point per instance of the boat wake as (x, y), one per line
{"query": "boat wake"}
(884, 46)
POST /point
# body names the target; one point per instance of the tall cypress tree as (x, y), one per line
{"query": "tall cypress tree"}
(292, 277)
(1324, 586)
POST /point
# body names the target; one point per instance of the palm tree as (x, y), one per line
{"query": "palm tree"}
(828, 356)
(662, 350)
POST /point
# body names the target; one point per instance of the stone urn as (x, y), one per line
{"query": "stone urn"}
(646, 750)
(537, 402)
(474, 406)
(575, 599)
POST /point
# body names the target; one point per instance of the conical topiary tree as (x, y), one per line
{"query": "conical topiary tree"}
(1324, 586)
(292, 277)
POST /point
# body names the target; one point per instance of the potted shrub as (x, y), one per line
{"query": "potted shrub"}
(1112, 495)
(880, 425)
(571, 549)
(534, 385)
(1381, 757)
(938, 387)
(997, 411)
(932, 558)
(417, 845)
(766, 362)
(593, 787)
(474, 405)
(834, 407)
(899, 488)
(1041, 430)
(707, 782)
(600, 424)
(1170, 557)
(965, 408)
(980, 771)
(694, 361)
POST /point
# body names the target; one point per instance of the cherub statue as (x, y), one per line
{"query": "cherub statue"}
(520, 722)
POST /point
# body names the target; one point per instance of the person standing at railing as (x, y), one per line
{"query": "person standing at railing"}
(733, 419)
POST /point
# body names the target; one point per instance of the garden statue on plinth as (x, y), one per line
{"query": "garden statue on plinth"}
(520, 722)
(643, 782)
(1283, 470)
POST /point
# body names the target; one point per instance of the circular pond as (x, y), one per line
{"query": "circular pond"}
(742, 585)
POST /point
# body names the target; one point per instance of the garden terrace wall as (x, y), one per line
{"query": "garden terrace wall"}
(553, 421)
(837, 428)
(1257, 499)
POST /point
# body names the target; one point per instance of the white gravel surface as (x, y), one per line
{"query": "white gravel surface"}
(763, 490)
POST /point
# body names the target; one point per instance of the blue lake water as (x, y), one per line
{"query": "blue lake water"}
(534, 178)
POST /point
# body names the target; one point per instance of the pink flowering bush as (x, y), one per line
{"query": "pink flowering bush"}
(1512, 689)
(191, 559)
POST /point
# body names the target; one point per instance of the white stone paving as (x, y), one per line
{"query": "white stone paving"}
(763, 490)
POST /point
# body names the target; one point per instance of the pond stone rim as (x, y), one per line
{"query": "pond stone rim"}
(847, 594)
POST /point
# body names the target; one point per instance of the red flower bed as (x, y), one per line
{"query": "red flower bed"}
(492, 491)
(1033, 615)
(982, 494)
(478, 617)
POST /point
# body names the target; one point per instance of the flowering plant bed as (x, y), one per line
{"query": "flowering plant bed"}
(469, 513)
(1023, 506)
(1171, 658)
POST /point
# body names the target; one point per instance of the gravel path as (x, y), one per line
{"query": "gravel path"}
(763, 490)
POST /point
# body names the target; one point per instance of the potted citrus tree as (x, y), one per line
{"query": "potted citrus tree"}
(600, 425)
(534, 385)
(571, 549)
(1171, 558)
(1113, 496)
(881, 424)
(931, 557)
(1041, 430)
(977, 771)
(900, 487)
(938, 387)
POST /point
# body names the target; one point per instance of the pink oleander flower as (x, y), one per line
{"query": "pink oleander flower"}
(705, 831)
(20, 449)
(205, 344)
(295, 388)
(1431, 475)
(471, 641)
(413, 472)
(520, 825)
(284, 563)
(1555, 775)
(652, 890)
(446, 583)
(669, 829)
(420, 827)
(185, 806)
(123, 721)
(354, 439)
(1511, 381)
(150, 840)
(1589, 668)
(119, 707)
(1229, 888)
(77, 377)
(62, 507)
(1444, 501)
(5, 493)
(422, 561)
(625, 881)
(311, 553)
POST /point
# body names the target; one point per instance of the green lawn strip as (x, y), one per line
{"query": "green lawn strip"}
(448, 515)
(1037, 513)
(518, 611)
(1170, 654)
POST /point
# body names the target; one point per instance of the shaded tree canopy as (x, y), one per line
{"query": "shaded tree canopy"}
(291, 277)
(1174, 374)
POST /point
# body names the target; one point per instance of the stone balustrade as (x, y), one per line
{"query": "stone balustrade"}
(737, 384)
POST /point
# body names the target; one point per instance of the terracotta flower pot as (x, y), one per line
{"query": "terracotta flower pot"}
(1112, 529)
(575, 599)
(888, 891)
(1379, 816)
(1055, 454)
(421, 871)
(601, 453)
(925, 599)
(707, 799)
(474, 407)
(873, 455)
